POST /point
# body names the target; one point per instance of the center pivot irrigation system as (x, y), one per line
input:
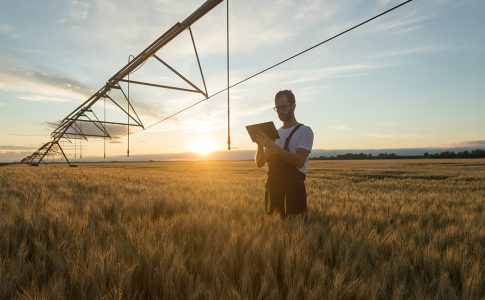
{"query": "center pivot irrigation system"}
(71, 127)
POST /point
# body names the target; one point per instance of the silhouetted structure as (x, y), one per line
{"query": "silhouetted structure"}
(477, 153)
(71, 127)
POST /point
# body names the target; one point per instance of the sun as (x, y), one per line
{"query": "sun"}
(202, 146)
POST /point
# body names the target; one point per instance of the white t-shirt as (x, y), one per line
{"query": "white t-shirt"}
(302, 138)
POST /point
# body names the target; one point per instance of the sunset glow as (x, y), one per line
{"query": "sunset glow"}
(202, 146)
(410, 80)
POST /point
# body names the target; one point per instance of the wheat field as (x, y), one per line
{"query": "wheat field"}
(395, 229)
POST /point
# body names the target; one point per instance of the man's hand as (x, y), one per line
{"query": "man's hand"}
(261, 155)
(263, 140)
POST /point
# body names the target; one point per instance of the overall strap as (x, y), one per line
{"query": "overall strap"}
(287, 142)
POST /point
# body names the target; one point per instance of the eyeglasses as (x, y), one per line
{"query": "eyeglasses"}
(282, 107)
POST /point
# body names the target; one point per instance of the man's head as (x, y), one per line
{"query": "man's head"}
(285, 105)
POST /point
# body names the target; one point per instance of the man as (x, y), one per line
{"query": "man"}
(287, 159)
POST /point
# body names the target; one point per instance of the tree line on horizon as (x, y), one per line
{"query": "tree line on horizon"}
(477, 153)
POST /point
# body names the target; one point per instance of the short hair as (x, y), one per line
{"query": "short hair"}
(289, 95)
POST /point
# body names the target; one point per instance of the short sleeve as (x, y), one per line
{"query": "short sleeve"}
(306, 139)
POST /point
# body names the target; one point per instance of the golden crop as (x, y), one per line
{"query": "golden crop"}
(399, 229)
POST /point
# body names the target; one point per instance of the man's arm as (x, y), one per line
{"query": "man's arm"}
(260, 156)
(295, 159)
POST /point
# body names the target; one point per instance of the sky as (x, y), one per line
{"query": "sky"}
(412, 78)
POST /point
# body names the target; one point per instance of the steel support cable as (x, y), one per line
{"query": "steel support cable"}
(277, 64)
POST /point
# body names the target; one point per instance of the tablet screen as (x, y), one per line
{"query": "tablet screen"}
(267, 128)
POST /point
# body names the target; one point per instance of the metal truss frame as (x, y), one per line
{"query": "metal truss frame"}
(71, 126)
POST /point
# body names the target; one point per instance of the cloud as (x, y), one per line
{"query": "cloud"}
(416, 17)
(8, 31)
(79, 10)
(138, 100)
(384, 2)
(271, 24)
(12, 156)
(88, 128)
(25, 134)
(115, 141)
(467, 144)
(16, 148)
(388, 124)
(382, 135)
(4, 28)
(404, 22)
(267, 27)
(101, 23)
(415, 50)
(258, 103)
(33, 85)
(340, 127)
(50, 125)
(397, 135)
(307, 75)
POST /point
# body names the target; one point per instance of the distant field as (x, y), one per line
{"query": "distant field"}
(396, 229)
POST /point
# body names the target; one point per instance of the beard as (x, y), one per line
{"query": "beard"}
(285, 117)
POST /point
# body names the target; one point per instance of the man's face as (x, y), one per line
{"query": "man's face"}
(284, 109)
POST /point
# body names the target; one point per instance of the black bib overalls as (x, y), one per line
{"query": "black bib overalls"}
(285, 187)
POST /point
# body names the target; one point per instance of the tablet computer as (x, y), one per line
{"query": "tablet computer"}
(267, 128)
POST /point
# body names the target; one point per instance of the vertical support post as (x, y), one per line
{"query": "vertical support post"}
(104, 138)
(228, 103)
(81, 144)
(128, 99)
